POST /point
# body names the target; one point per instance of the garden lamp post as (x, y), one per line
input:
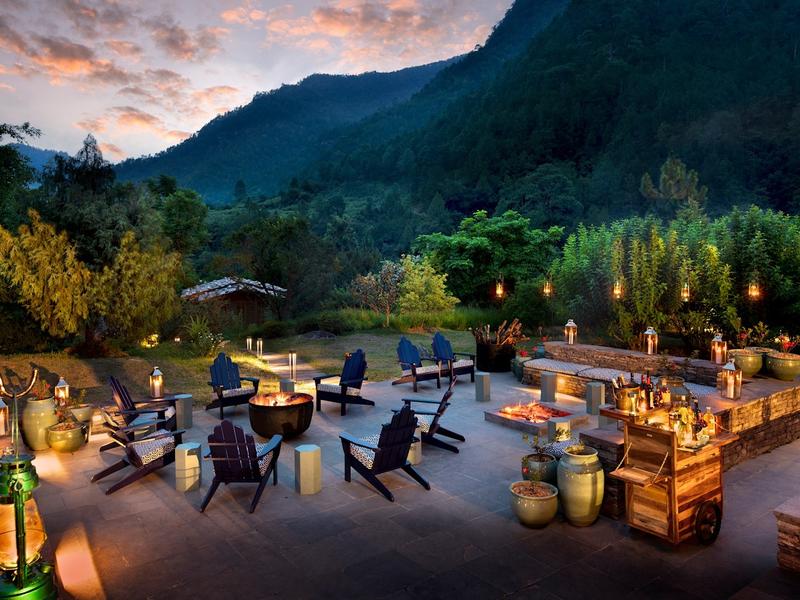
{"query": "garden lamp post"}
(61, 392)
(651, 341)
(156, 383)
(719, 350)
(570, 332)
(249, 343)
(292, 365)
(731, 381)
(259, 347)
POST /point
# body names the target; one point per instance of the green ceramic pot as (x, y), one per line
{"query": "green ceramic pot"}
(37, 416)
(82, 412)
(534, 511)
(783, 365)
(748, 361)
(763, 352)
(540, 467)
(67, 440)
(581, 485)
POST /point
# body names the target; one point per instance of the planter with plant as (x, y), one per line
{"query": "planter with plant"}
(538, 466)
(69, 434)
(534, 503)
(81, 410)
(39, 414)
(494, 351)
(749, 361)
(784, 364)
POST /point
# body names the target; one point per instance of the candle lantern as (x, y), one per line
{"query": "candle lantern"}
(259, 347)
(685, 292)
(61, 392)
(719, 350)
(617, 290)
(570, 332)
(5, 428)
(548, 289)
(499, 288)
(156, 383)
(731, 381)
(177, 339)
(249, 343)
(651, 341)
(753, 290)
(292, 365)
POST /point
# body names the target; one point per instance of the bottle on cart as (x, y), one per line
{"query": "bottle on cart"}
(711, 422)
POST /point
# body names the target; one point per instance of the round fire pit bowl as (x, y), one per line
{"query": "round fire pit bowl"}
(281, 413)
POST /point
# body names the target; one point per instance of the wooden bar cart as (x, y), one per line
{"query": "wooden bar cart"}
(672, 492)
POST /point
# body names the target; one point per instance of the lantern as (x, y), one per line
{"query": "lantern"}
(292, 365)
(499, 288)
(651, 341)
(570, 332)
(685, 292)
(5, 428)
(617, 290)
(177, 339)
(753, 291)
(719, 350)
(249, 343)
(259, 347)
(61, 392)
(548, 289)
(156, 383)
(731, 381)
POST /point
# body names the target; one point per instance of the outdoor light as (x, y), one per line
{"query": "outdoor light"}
(499, 288)
(4, 426)
(548, 289)
(617, 290)
(259, 347)
(719, 350)
(292, 365)
(156, 383)
(651, 341)
(731, 381)
(570, 332)
(61, 392)
(685, 292)
(177, 339)
(753, 290)
(249, 343)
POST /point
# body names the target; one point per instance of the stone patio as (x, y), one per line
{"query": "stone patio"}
(458, 540)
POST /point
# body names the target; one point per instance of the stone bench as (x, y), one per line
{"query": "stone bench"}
(788, 517)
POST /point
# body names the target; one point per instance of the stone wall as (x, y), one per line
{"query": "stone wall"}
(565, 384)
(699, 371)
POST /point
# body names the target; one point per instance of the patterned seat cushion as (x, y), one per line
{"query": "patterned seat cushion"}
(603, 374)
(152, 448)
(557, 366)
(263, 463)
(432, 369)
(424, 422)
(463, 364)
(337, 389)
(364, 455)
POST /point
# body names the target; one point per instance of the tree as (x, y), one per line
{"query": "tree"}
(422, 289)
(547, 196)
(15, 172)
(185, 220)
(379, 291)
(677, 187)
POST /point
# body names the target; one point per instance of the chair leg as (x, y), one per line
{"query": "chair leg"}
(221, 415)
(472, 376)
(259, 491)
(109, 446)
(319, 404)
(416, 476)
(275, 474)
(439, 383)
(415, 385)
(451, 434)
(211, 491)
(135, 476)
(376, 483)
(344, 408)
(439, 443)
(120, 464)
(347, 474)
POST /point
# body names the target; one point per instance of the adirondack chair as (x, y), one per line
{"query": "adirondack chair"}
(443, 352)
(227, 384)
(134, 417)
(238, 458)
(411, 363)
(429, 419)
(145, 454)
(348, 390)
(384, 452)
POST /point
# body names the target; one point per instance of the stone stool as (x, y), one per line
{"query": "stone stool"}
(558, 428)
(287, 385)
(415, 453)
(188, 472)
(595, 396)
(183, 410)
(549, 383)
(483, 386)
(307, 469)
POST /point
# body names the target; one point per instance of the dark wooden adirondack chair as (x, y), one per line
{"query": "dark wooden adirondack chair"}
(429, 419)
(145, 454)
(411, 363)
(443, 352)
(384, 452)
(227, 384)
(132, 417)
(239, 459)
(348, 390)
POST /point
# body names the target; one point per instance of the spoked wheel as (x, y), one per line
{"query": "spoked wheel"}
(707, 522)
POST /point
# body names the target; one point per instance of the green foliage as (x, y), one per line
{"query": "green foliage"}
(199, 337)
(379, 291)
(677, 186)
(185, 220)
(422, 289)
(15, 172)
(527, 304)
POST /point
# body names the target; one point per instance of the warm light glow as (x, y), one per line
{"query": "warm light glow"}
(34, 535)
(570, 332)
(651, 341)
(292, 365)
(249, 343)
(280, 399)
(61, 391)
(533, 412)
(617, 290)
(75, 565)
(548, 289)
(753, 291)
(259, 347)
(156, 383)
(719, 350)
(499, 290)
(731, 381)
(685, 292)
(177, 339)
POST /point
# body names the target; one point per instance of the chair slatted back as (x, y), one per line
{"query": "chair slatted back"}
(354, 369)
(233, 453)
(225, 373)
(408, 353)
(395, 441)
(443, 404)
(122, 398)
(442, 348)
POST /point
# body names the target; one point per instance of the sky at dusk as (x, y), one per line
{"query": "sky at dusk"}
(141, 76)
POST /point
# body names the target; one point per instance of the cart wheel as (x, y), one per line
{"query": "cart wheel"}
(707, 522)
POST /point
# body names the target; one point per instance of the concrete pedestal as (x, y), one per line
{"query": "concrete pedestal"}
(483, 386)
(558, 428)
(415, 453)
(595, 396)
(183, 410)
(188, 471)
(549, 382)
(307, 469)
(287, 385)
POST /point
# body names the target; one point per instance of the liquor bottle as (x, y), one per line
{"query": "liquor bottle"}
(711, 422)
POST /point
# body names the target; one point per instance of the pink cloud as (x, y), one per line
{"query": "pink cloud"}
(96, 125)
(124, 48)
(244, 15)
(7, 88)
(181, 44)
(112, 149)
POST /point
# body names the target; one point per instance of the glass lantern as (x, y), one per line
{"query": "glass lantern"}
(570, 332)
(499, 288)
(719, 350)
(617, 290)
(753, 290)
(156, 383)
(61, 392)
(548, 289)
(731, 381)
(685, 292)
(651, 341)
(34, 534)
(249, 343)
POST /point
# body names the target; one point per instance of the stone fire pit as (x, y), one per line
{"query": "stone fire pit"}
(532, 417)
(281, 413)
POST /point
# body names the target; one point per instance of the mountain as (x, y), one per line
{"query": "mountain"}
(277, 134)
(37, 157)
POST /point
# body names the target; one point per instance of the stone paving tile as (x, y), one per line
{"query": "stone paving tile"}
(457, 583)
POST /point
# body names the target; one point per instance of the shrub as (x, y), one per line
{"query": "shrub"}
(422, 289)
(200, 339)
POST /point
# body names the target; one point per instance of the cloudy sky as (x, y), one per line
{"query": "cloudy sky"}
(141, 76)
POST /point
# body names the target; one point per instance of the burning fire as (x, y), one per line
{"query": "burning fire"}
(279, 399)
(533, 412)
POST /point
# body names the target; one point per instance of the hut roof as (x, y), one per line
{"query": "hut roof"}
(229, 285)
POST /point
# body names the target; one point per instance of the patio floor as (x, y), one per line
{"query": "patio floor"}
(458, 540)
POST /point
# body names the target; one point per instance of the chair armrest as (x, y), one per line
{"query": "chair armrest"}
(319, 378)
(471, 355)
(348, 382)
(426, 412)
(422, 400)
(253, 380)
(150, 438)
(142, 426)
(351, 439)
(142, 411)
(166, 402)
(273, 443)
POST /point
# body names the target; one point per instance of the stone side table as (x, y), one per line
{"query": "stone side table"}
(307, 469)
(183, 410)
(188, 470)
(483, 386)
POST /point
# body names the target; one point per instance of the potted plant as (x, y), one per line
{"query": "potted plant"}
(81, 410)
(758, 336)
(749, 361)
(538, 466)
(494, 351)
(39, 414)
(518, 363)
(784, 364)
(69, 434)
(534, 502)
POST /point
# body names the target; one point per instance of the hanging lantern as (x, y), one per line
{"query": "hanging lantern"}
(685, 292)
(719, 350)
(249, 343)
(731, 381)
(61, 392)
(156, 383)
(548, 289)
(570, 332)
(651, 341)
(259, 347)
(177, 339)
(292, 365)
(617, 290)
(753, 291)
(499, 288)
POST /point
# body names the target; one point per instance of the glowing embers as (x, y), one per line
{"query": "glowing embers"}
(533, 412)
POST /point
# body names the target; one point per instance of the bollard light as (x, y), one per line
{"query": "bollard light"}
(685, 292)
(259, 347)
(249, 343)
(156, 383)
(548, 289)
(570, 332)
(292, 365)
(753, 291)
(617, 290)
